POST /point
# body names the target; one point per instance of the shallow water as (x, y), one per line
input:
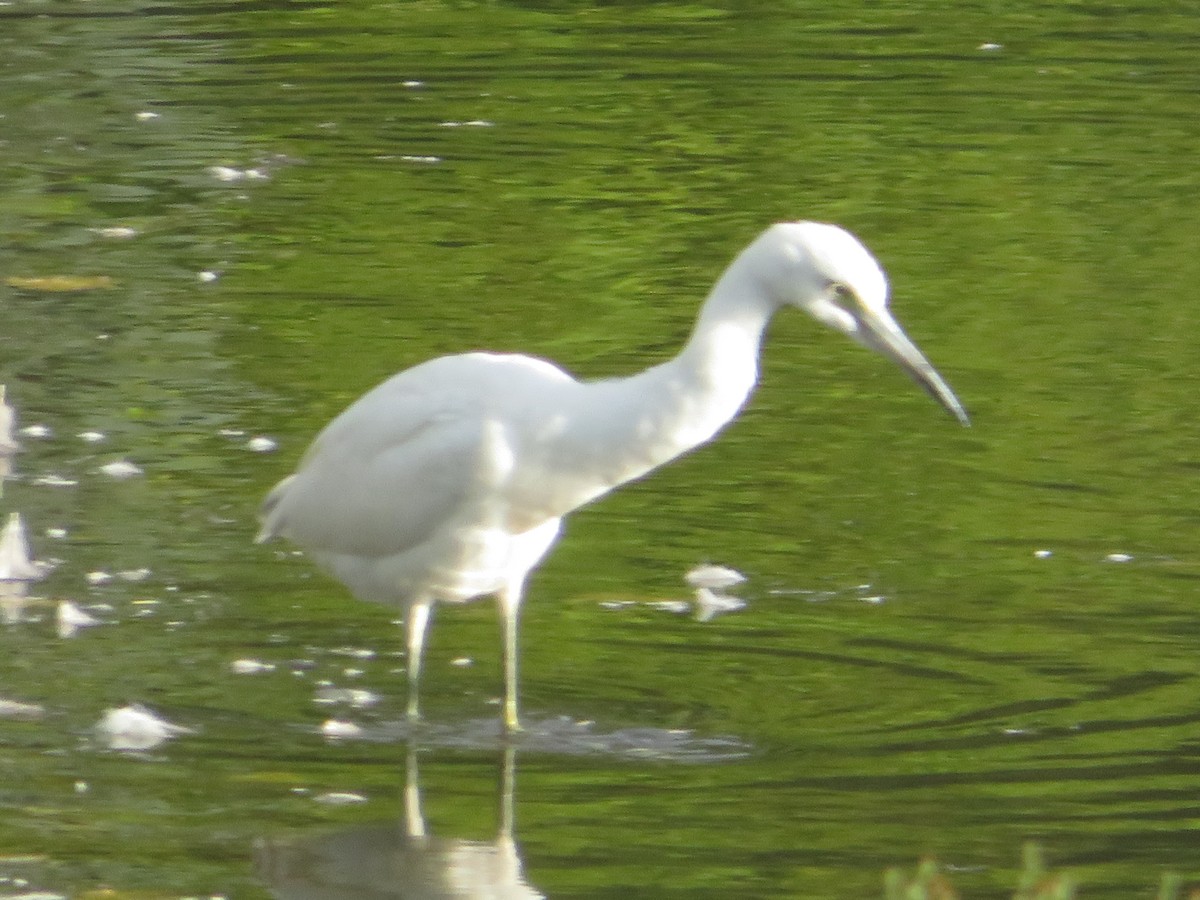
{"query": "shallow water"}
(954, 640)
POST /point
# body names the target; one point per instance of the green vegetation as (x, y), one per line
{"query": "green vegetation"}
(1035, 882)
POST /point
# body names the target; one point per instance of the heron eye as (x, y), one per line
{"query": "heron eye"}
(841, 293)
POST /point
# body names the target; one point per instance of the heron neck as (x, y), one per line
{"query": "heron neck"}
(619, 429)
(685, 401)
(718, 367)
(729, 330)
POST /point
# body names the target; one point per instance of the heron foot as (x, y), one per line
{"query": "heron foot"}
(512, 724)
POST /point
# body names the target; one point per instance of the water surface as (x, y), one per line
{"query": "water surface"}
(955, 640)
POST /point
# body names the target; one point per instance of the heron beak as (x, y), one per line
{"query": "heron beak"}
(881, 333)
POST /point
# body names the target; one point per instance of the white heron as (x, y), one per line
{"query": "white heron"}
(449, 481)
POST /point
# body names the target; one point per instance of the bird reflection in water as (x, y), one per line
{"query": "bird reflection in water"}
(401, 859)
(8, 440)
(8, 419)
(13, 597)
(17, 569)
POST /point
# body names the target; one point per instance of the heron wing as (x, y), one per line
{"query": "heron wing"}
(403, 461)
(381, 477)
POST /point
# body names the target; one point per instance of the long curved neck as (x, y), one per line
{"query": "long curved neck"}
(637, 423)
(713, 375)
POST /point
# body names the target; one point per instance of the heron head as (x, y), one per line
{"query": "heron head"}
(827, 272)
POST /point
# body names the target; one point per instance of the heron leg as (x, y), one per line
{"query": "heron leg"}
(416, 623)
(509, 602)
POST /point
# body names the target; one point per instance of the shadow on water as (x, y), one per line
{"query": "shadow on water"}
(401, 858)
(562, 735)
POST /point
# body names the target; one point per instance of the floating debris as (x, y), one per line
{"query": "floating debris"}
(262, 444)
(208, 276)
(713, 577)
(353, 652)
(134, 727)
(462, 662)
(37, 431)
(1118, 558)
(15, 561)
(98, 576)
(230, 174)
(1043, 554)
(250, 667)
(134, 575)
(990, 47)
(145, 606)
(53, 480)
(678, 607)
(339, 798)
(358, 698)
(57, 533)
(60, 284)
(864, 594)
(14, 709)
(858, 591)
(710, 604)
(91, 437)
(145, 116)
(473, 123)
(8, 420)
(71, 619)
(423, 160)
(121, 469)
(337, 729)
(116, 232)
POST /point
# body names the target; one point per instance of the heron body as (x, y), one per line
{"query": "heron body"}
(449, 481)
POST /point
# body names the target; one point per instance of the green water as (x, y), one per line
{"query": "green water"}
(568, 181)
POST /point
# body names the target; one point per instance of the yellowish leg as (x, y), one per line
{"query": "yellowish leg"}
(416, 622)
(510, 611)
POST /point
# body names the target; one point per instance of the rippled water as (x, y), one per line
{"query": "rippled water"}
(222, 223)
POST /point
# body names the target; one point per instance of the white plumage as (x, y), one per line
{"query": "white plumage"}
(449, 480)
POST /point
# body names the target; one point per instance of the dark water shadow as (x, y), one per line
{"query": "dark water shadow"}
(564, 736)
